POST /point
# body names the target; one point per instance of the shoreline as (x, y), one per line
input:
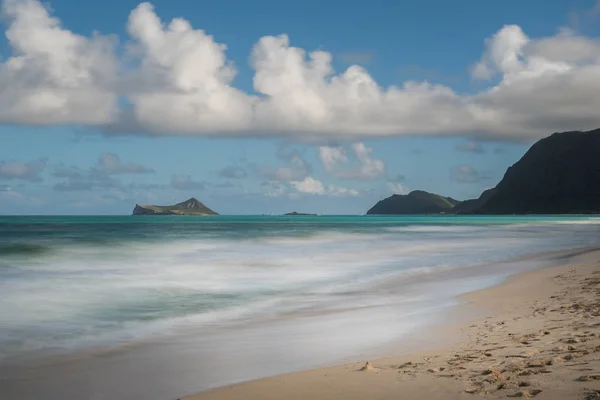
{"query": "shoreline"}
(518, 338)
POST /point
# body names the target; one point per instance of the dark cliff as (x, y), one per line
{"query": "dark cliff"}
(558, 175)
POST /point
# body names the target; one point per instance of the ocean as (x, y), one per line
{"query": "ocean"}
(282, 293)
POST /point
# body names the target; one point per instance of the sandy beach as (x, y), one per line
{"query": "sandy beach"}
(536, 335)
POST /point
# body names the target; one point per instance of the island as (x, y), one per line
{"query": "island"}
(559, 174)
(416, 202)
(297, 213)
(188, 207)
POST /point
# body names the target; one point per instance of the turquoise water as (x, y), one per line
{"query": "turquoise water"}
(80, 282)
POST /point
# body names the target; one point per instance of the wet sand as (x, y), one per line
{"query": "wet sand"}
(536, 335)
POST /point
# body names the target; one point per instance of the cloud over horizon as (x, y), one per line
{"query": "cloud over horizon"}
(26, 171)
(179, 81)
(99, 176)
(465, 174)
(337, 162)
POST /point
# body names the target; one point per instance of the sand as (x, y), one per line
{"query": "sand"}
(539, 337)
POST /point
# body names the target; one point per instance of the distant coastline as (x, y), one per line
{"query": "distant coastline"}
(558, 175)
(299, 214)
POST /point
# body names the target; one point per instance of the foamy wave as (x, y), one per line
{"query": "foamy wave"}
(434, 228)
(317, 238)
(135, 287)
(591, 221)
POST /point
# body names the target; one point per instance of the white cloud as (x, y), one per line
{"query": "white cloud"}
(397, 188)
(369, 167)
(335, 161)
(309, 186)
(338, 191)
(178, 80)
(567, 47)
(182, 84)
(54, 76)
(315, 187)
(503, 54)
(297, 170)
(332, 156)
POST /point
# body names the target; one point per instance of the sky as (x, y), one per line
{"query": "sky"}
(267, 107)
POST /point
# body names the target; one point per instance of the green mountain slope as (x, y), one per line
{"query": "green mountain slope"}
(416, 202)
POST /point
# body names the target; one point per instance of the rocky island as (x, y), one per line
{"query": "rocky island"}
(297, 213)
(188, 207)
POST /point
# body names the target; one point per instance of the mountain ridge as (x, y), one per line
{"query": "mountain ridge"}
(559, 174)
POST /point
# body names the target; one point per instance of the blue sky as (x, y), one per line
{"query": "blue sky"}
(400, 96)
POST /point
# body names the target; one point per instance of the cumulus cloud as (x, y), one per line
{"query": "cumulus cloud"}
(313, 186)
(54, 76)
(465, 174)
(309, 185)
(296, 170)
(183, 82)
(339, 191)
(27, 171)
(336, 161)
(331, 157)
(178, 80)
(471, 147)
(185, 182)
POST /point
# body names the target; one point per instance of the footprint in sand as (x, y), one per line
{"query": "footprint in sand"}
(588, 378)
(526, 393)
(591, 395)
(367, 367)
